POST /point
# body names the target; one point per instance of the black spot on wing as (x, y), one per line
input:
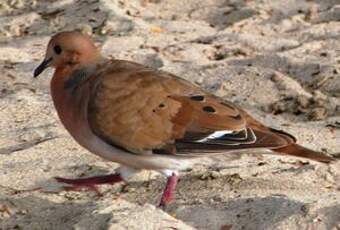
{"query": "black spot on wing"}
(197, 98)
(237, 117)
(208, 109)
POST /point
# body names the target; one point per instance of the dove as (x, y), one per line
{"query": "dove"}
(148, 119)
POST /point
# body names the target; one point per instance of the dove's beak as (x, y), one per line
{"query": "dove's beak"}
(42, 67)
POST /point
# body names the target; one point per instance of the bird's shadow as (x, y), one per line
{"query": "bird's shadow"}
(254, 213)
(241, 213)
(195, 205)
(251, 212)
(31, 212)
(331, 216)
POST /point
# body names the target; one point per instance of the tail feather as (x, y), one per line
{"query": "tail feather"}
(300, 151)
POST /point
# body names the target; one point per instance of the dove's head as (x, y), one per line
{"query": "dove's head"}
(68, 49)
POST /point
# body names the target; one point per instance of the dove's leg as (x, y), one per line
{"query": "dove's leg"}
(168, 192)
(122, 174)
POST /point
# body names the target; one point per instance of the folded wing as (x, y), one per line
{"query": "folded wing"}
(147, 111)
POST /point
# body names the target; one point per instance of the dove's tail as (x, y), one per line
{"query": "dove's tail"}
(300, 151)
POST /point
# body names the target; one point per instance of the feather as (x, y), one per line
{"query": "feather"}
(215, 135)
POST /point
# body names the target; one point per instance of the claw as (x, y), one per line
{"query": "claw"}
(89, 182)
(80, 187)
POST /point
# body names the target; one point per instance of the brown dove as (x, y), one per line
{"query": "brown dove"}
(143, 118)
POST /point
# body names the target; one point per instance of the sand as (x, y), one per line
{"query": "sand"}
(277, 59)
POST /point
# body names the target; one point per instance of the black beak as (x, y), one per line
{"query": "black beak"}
(41, 67)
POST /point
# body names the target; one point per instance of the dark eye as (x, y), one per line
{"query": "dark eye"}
(57, 49)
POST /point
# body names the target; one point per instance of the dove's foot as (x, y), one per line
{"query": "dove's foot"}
(89, 183)
(168, 192)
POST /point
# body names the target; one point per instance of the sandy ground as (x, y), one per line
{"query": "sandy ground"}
(278, 59)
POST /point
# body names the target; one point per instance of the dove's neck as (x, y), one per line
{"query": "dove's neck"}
(71, 105)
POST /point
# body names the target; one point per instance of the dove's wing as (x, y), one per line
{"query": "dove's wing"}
(153, 112)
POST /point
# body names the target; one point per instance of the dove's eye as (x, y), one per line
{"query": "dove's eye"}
(57, 49)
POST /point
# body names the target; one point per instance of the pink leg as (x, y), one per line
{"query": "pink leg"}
(169, 190)
(89, 182)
